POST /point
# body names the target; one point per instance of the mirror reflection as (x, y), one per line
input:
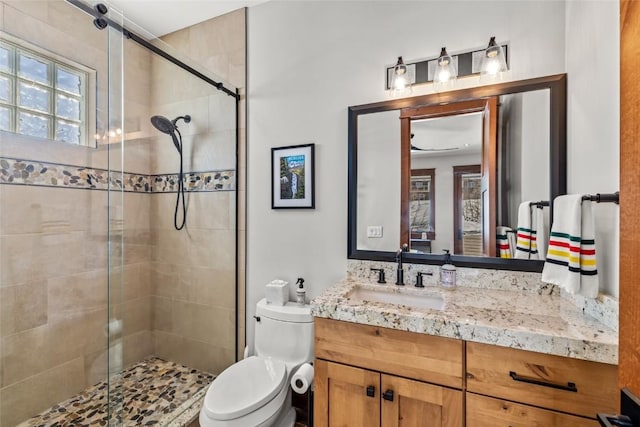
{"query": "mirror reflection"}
(450, 148)
(452, 176)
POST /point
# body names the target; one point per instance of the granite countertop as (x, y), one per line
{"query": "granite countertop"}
(518, 319)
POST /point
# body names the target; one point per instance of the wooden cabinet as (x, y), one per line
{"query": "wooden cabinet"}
(407, 354)
(485, 411)
(372, 376)
(346, 396)
(569, 385)
(411, 377)
(417, 404)
(354, 397)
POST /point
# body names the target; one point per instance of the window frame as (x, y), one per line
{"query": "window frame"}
(86, 97)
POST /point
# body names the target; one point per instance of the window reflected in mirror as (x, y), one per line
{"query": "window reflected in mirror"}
(467, 210)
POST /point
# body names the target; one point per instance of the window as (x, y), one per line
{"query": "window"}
(422, 208)
(42, 95)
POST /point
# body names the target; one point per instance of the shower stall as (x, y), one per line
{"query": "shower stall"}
(120, 283)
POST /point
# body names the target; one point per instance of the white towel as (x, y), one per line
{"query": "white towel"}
(505, 241)
(571, 258)
(541, 231)
(529, 222)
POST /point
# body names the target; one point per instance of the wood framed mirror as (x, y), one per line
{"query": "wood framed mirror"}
(382, 182)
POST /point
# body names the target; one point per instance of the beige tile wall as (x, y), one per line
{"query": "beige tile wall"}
(193, 271)
(173, 291)
(53, 242)
(53, 294)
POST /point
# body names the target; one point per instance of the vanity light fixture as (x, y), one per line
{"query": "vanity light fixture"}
(446, 72)
(403, 75)
(493, 62)
(401, 78)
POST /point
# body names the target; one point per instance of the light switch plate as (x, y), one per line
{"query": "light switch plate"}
(374, 231)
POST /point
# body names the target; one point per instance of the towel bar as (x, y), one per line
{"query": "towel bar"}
(539, 204)
(603, 198)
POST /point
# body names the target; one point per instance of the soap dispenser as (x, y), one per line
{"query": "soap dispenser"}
(300, 291)
(448, 272)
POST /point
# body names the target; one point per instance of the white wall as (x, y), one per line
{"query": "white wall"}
(528, 150)
(593, 120)
(308, 61)
(379, 180)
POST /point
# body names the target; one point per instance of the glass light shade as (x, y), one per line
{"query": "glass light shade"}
(446, 72)
(400, 82)
(493, 63)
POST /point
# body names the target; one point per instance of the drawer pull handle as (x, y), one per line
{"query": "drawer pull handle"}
(371, 391)
(388, 395)
(569, 387)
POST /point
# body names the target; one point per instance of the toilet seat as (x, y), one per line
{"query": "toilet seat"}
(245, 387)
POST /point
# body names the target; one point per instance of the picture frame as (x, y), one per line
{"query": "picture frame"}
(293, 177)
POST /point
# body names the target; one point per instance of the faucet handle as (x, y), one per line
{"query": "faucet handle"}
(381, 278)
(419, 280)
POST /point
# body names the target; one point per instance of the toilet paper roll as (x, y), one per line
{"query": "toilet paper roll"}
(302, 379)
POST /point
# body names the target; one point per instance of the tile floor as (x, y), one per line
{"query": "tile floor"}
(149, 393)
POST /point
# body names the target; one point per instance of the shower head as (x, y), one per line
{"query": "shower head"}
(169, 127)
(163, 124)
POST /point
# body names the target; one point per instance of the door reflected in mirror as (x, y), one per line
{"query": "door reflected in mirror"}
(447, 147)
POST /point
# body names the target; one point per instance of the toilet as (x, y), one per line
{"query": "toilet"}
(256, 391)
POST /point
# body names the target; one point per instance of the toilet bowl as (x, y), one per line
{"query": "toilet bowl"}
(251, 392)
(256, 391)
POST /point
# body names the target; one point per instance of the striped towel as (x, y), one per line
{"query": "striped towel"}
(527, 239)
(571, 258)
(505, 241)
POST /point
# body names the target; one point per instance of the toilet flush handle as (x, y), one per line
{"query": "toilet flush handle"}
(257, 318)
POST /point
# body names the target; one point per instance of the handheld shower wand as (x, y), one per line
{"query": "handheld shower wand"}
(170, 127)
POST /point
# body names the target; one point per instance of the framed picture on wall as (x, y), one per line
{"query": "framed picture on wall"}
(292, 177)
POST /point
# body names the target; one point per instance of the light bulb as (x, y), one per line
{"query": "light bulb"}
(446, 72)
(493, 62)
(400, 82)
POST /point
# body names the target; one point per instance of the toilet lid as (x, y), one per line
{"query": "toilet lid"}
(244, 387)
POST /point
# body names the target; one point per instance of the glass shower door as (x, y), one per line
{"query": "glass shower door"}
(113, 134)
(60, 213)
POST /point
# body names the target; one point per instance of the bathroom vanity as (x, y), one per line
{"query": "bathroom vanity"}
(484, 357)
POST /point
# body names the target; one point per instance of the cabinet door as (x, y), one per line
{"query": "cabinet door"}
(408, 403)
(485, 411)
(346, 396)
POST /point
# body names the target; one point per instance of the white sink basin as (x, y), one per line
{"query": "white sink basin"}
(433, 302)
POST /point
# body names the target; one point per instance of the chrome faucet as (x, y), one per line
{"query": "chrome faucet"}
(400, 272)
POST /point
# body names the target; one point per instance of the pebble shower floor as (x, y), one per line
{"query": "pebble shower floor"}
(154, 390)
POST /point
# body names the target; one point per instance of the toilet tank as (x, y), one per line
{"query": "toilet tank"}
(284, 332)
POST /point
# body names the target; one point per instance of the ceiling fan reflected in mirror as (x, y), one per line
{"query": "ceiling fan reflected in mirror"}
(433, 150)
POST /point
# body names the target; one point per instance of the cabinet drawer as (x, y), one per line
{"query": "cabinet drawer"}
(485, 411)
(561, 383)
(409, 354)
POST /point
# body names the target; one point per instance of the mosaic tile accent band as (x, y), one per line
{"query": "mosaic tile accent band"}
(32, 172)
(152, 392)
